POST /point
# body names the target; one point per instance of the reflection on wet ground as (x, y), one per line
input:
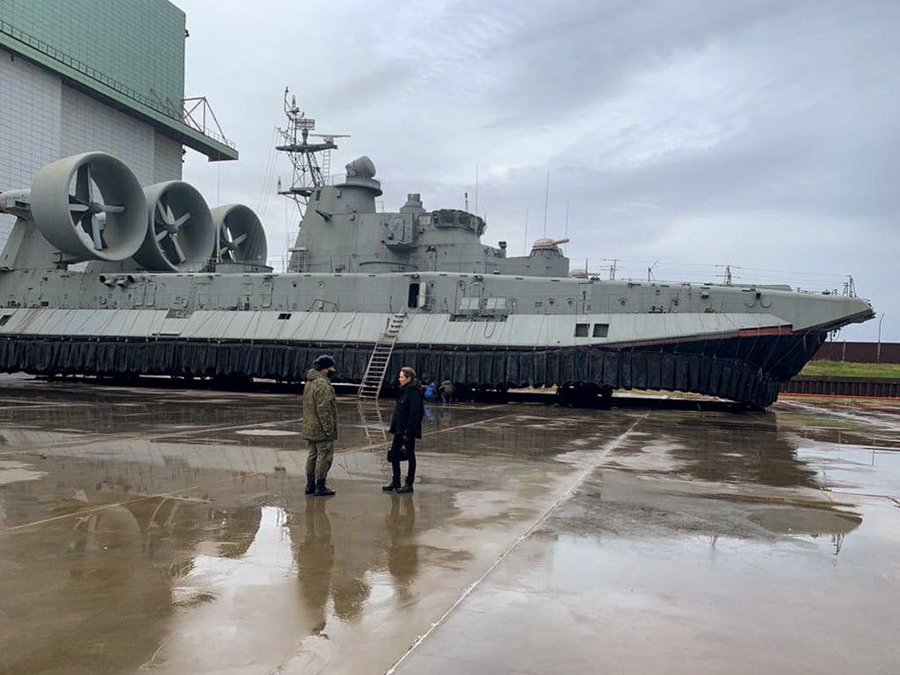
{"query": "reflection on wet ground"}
(169, 531)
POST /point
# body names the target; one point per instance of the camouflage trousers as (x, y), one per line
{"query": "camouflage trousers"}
(318, 461)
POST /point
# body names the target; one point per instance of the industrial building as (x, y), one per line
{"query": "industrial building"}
(87, 75)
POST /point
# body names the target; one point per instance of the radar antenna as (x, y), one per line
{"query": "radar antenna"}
(307, 174)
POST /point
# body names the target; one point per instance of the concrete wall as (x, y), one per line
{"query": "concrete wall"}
(30, 110)
(90, 125)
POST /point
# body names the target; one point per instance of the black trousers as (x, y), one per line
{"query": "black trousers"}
(396, 444)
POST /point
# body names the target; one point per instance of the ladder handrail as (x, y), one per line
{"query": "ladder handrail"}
(373, 378)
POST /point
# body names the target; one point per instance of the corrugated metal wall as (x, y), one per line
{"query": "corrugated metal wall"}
(93, 34)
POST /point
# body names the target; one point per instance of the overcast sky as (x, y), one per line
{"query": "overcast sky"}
(683, 136)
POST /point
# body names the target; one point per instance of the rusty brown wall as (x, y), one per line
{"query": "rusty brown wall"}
(859, 352)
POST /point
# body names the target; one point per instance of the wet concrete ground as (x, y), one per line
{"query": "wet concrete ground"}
(167, 531)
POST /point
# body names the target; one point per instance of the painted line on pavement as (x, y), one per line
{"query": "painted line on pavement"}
(612, 445)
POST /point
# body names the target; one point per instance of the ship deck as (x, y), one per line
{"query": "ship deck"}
(167, 530)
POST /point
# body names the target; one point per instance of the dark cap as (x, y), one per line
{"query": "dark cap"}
(324, 361)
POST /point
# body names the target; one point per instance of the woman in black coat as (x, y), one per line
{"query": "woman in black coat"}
(406, 425)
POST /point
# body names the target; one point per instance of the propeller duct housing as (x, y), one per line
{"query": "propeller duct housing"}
(90, 206)
(180, 235)
(242, 238)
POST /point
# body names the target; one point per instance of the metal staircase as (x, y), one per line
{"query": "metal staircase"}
(381, 357)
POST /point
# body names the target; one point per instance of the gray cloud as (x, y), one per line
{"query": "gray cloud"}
(758, 134)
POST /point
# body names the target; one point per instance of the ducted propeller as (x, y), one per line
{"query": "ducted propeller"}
(241, 235)
(90, 206)
(181, 236)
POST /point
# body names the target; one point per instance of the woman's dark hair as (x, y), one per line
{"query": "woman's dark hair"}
(409, 372)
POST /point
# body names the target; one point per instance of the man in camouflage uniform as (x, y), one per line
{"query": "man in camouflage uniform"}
(319, 425)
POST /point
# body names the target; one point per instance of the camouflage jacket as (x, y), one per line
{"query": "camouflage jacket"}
(319, 408)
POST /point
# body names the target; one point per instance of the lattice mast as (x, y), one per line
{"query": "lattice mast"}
(307, 173)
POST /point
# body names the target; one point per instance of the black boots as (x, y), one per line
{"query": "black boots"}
(404, 490)
(322, 490)
(310, 483)
(394, 486)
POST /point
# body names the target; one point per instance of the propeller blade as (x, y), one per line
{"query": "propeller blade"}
(83, 219)
(161, 213)
(162, 235)
(237, 240)
(83, 184)
(96, 229)
(178, 250)
(181, 221)
(170, 217)
(78, 208)
(107, 208)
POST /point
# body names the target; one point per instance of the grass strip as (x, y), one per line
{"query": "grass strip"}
(871, 371)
